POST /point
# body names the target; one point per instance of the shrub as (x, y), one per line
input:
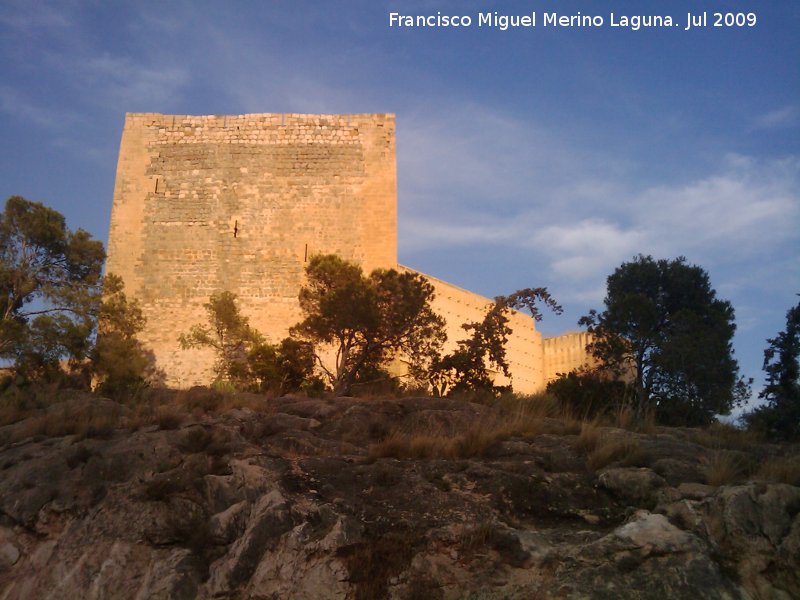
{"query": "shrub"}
(195, 440)
(588, 394)
(82, 420)
(168, 417)
(160, 490)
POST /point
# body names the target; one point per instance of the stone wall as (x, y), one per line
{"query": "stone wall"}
(204, 204)
(524, 347)
(239, 203)
(565, 353)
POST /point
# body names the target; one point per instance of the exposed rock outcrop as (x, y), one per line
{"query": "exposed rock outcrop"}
(291, 504)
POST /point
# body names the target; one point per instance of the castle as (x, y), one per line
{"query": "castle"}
(239, 203)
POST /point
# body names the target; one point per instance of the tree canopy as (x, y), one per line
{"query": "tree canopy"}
(243, 357)
(228, 333)
(779, 417)
(469, 366)
(119, 362)
(49, 286)
(366, 319)
(664, 326)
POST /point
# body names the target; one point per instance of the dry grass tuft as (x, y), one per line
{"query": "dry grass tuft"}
(12, 413)
(624, 418)
(589, 437)
(168, 409)
(603, 451)
(85, 420)
(607, 451)
(476, 441)
(722, 436)
(722, 467)
(422, 446)
(476, 537)
(782, 469)
(511, 416)
(431, 442)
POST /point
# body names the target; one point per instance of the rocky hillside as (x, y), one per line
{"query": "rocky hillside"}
(192, 497)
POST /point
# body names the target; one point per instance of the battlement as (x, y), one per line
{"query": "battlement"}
(565, 353)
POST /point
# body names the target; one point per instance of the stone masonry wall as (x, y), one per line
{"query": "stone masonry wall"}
(524, 347)
(204, 204)
(565, 353)
(238, 203)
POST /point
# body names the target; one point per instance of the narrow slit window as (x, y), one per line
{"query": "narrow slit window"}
(235, 228)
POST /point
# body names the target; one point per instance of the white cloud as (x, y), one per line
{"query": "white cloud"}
(25, 17)
(787, 116)
(121, 81)
(586, 247)
(514, 183)
(16, 104)
(472, 178)
(422, 232)
(746, 207)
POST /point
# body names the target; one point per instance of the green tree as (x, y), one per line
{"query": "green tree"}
(469, 367)
(229, 334)
(779, 417)
(663, 324)
(283, 368)
(366, 319)
(119, 363)
(49, 287)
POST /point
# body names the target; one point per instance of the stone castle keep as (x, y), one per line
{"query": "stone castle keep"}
(239, 203)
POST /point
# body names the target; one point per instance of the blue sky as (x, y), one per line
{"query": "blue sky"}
(526, 157)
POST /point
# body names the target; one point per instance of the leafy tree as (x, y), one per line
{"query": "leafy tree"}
(46, 341)
(664, 326)
(244, 358)
(468, 367)
(229, 334)
(49, 287)
(588, 393)
(780, 416)
(282, 368)
(119, 362)
(366, 319)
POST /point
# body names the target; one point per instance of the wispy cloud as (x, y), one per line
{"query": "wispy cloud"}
(784, 117)
(581, 249)
(121, 81)
(485, 180)
(23, 17)
(20, 107)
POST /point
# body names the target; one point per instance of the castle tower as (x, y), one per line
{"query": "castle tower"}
(239, 203)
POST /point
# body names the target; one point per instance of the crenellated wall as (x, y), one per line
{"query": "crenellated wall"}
(565, 353)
